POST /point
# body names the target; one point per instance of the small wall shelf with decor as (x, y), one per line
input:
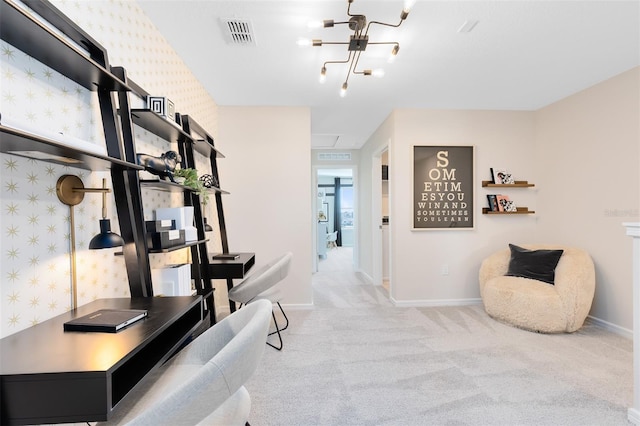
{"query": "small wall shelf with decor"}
(495, 206)
(519, 210)
(517, 184)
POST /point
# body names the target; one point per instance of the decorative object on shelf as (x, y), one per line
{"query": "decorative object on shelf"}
(493, 202)
(502, 177)
(505, 204)
(443, 187)
(323, 213)
(207, 227)
(162, 106)
(192, 181)
(357, 43)
(163, 166)
(172, 280)
(183, 217)
(70, 191)
(209, 181)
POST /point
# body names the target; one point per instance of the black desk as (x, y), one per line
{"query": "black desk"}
(232, 268)
(52, 376)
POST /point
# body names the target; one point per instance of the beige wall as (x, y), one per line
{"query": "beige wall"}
(268, 173)
(501, 139)
(587, 149)
(370, 235)
(581, 153)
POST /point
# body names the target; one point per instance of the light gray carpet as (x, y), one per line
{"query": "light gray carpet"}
(355, 359)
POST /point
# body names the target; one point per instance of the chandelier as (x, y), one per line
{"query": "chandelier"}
(358, 42)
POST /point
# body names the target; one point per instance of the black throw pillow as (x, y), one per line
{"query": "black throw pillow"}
(535, 264)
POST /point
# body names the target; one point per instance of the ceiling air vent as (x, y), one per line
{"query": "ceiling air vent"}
(238, 31)
(334, 156)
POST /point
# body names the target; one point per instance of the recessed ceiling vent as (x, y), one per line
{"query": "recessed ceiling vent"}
(238, 31)
(333, 156)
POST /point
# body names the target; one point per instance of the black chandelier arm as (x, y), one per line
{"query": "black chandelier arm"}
(354, 64)
(338, 62)
(349, 8)
(333, 42)
(384, 24)
(383, 42)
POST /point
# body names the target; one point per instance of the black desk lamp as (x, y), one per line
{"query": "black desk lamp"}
(70, 191)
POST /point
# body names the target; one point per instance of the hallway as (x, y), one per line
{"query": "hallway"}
(337, 285)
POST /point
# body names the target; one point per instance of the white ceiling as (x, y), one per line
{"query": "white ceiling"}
(522, 55)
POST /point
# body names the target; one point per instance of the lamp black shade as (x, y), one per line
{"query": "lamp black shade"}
(106, 238)
(207, 227)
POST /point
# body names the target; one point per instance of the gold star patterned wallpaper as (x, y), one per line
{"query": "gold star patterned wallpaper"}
(34, 224)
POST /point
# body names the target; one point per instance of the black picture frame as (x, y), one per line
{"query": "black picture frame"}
(443, 187)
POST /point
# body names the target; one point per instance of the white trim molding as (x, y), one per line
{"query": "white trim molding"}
(426, 303)
(633, 230)
(621, 331)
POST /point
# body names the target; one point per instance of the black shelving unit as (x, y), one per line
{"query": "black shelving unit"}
(190, 138)
(89, 67)
(57, 42)
(203, 143)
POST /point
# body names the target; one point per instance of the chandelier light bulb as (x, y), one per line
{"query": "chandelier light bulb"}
(323, 74)
(343, 91)
(394, 53)
(303, 42)
(408, 5)
(312, 25)
(378, 72)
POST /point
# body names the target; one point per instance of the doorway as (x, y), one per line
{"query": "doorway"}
(380, 217)
(336, 227)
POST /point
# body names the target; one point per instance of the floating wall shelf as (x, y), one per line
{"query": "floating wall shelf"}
(517, 184)
(520, 210)
(18, 142)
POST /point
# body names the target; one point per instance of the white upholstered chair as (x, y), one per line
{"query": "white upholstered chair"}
(332, 239)
(261, 285)
(535, 305)
(204, 383)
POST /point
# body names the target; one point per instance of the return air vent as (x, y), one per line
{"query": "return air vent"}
(334, 156)
(238, 31)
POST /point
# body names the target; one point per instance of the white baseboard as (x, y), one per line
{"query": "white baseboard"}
(611, 327)
(634, 416)
(435, 302)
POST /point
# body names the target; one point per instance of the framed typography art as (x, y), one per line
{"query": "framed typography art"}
(443, 187)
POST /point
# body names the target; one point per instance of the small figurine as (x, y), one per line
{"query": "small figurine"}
(163, 166)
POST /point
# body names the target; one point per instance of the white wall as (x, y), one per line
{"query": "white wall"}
(501, 139)
(268, 173)
(367, 237)
(582, 154)
(588, 152)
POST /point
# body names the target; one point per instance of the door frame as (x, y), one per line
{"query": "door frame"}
(315, 206)
(376, 216)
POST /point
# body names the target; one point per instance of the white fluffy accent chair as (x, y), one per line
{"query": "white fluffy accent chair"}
(535, 305)
(204, 383)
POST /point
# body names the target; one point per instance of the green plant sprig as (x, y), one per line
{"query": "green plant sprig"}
(191, 180)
